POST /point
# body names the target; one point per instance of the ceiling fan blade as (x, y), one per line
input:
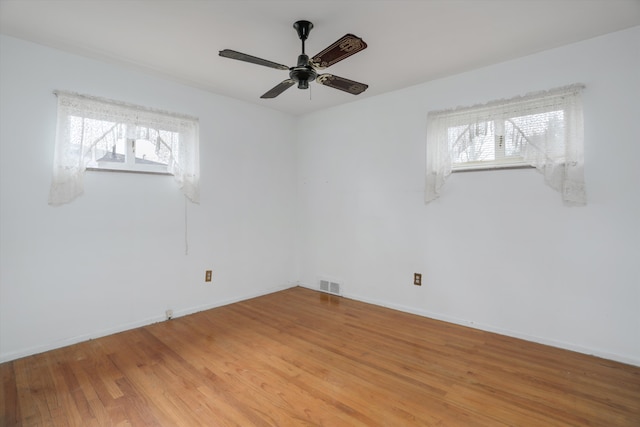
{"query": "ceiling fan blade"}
(278, 89)
(343, 48)
(252, 59)
(341, 83)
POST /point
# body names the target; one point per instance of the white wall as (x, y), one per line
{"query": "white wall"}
(498, 250)
(115, 257)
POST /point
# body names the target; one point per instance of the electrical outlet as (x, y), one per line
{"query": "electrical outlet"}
(207, 275)
(417, 279)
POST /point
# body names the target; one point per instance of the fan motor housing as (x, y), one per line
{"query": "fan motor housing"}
(303, 72)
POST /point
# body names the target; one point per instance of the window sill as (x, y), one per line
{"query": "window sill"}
(129, 171)
(476, 168)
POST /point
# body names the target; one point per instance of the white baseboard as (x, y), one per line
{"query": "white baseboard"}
(488, 328)
(437, 316)
(137, 324)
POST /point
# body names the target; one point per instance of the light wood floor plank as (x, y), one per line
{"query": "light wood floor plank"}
(304, 358)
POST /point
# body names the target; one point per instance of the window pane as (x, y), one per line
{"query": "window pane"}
(514, 140)
(111, 149)
(525, 129)
(102, 140)
(472, 143)
(154, 147)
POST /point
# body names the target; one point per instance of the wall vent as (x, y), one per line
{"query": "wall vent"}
(330, 287)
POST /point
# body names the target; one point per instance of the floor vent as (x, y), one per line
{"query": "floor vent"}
(330, 287)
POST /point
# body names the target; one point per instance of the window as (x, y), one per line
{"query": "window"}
(99, 134)
(500, 142)
(542, 130)
(118, 146)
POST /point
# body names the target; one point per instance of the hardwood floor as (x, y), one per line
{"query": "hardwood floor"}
(304, 358)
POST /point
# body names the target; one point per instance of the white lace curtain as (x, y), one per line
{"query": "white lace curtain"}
(557, 151)
(72, 157)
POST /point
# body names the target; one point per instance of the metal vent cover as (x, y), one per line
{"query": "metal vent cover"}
(330, 287)
(334, 288)
(324, 285)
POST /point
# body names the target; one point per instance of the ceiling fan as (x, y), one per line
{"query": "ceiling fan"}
(305, 71)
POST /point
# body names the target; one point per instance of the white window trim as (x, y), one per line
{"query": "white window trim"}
(69, 167)
(561, 162)
(472, 167)
(129, 165)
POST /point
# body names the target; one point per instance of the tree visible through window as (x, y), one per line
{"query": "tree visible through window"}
(118, 146)
(500, 142)
(543, 130)
(97, 133)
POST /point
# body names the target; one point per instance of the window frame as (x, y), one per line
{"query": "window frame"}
(499, 127)
(130, 164)
(501, 161)
(557, 152)
(75, 148)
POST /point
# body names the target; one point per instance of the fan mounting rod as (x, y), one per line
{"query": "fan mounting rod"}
(303, 72)
(303, 28)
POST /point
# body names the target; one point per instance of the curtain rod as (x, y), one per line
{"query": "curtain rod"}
(507, 102)
(123, 104)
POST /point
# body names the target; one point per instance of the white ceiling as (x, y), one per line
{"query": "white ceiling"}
(409, 42)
